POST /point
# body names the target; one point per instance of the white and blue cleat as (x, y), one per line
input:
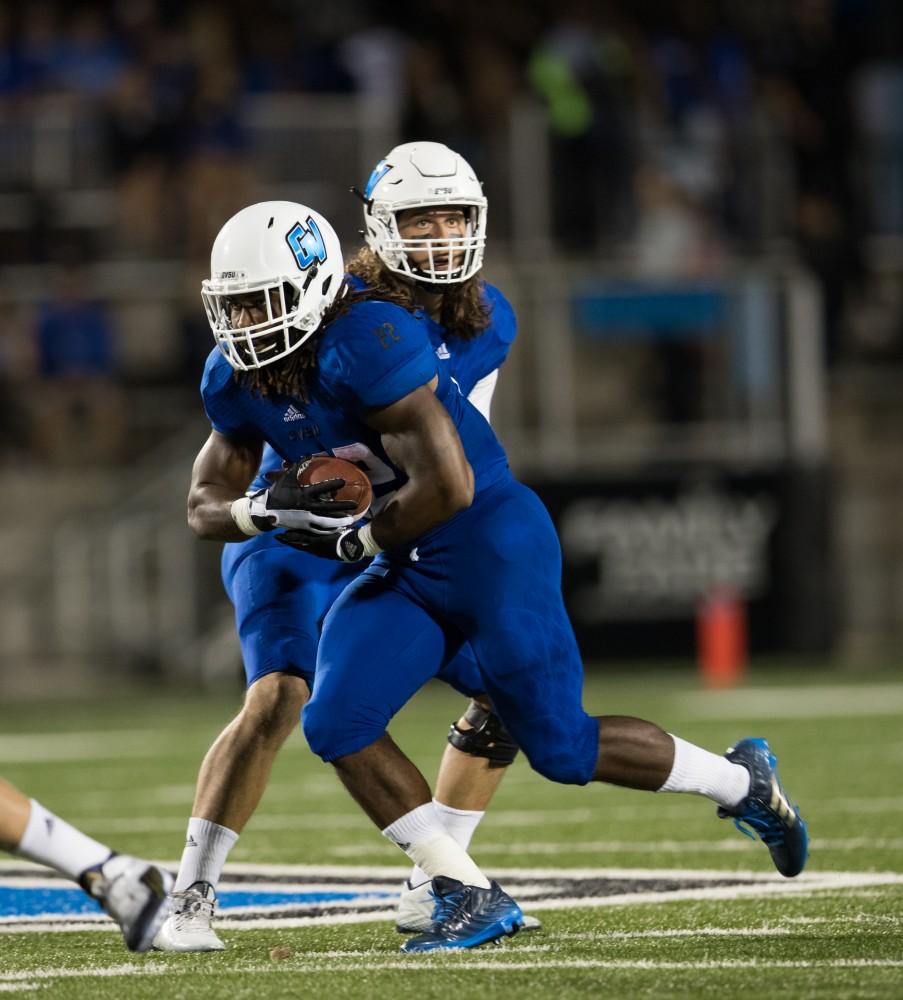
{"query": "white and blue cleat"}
(466, 916)
(766, 810)
(134, 893)
(415, 910)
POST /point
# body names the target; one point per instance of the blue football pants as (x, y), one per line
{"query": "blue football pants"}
(491, 576)
(282, 595)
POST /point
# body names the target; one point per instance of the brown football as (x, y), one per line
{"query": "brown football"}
(357, 486)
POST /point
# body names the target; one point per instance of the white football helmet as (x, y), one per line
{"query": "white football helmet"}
(290, 255)
(425, 175)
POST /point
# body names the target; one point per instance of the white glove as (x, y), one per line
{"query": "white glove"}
(319, 524)
(288, 504)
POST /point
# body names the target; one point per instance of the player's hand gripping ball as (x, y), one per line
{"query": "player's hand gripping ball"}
(357, 488)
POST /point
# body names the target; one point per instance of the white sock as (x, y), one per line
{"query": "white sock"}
(460, 825)
(421, 835)
(207, 846)
(697, 770)
(52, 841)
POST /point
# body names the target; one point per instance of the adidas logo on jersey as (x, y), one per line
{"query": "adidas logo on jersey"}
(293, 413)
(442, 352)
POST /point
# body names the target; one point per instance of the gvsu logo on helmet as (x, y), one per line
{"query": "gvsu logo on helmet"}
(306, 243)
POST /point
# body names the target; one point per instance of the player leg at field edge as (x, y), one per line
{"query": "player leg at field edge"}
(133, 892)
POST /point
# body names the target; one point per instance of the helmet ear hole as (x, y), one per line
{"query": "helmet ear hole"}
(291, 295)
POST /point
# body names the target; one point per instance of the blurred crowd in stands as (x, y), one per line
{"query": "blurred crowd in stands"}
(667, 119)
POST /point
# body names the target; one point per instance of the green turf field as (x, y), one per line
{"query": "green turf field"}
(124, 772)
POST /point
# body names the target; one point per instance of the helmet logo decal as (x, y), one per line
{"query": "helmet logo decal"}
(379, 171)
(306, 243)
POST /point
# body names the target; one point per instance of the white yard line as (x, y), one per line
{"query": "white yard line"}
(464, 963)
(460, 962)
(768, 931)
(368, 874)
(760, 887)
(706, 932)
(826, 701)
(876, 805)
(96, 972)
(502, 965)
(44, 748)
(734, 845)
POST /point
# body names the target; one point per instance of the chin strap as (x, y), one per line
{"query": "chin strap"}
(356, 191)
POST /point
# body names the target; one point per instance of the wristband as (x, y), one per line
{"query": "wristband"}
(241, 515)
(365, 534)
(349, 548)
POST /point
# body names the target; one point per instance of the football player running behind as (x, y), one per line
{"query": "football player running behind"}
(465, 556)
(425, 229)
(133, 892)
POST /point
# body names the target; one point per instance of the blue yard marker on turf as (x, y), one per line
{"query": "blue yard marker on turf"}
(33, 901)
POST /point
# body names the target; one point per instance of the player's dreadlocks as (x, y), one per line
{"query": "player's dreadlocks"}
(464, 313)
(286, 379)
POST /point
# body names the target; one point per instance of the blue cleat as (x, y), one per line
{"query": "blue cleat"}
(766, 810)
(466, 916)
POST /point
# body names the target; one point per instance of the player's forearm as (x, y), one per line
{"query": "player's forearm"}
(440, 484)
(419, 437)
(440, 479)
(210, 514)
(419, 507)
(221, 473)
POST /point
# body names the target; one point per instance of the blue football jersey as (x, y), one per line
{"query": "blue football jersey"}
(370, 357)
(472, 360)
(467, 360)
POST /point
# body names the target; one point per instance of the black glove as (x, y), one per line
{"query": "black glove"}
(342, 545)
(288, 504)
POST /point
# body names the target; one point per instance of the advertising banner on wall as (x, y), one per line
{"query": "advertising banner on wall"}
(642, 553)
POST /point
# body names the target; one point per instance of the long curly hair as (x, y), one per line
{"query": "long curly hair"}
(464, 315)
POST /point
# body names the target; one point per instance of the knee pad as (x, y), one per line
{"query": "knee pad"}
(488, 738)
